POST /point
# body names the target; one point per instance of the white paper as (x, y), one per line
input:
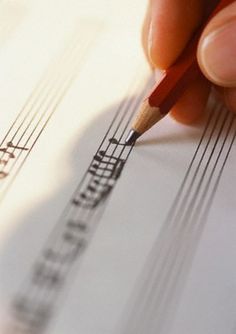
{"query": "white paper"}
(81, 257)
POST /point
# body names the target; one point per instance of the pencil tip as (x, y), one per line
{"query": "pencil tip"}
(132, 137)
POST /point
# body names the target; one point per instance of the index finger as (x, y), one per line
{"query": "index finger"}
(168, 27)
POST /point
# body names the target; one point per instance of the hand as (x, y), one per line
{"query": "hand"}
(169, 25)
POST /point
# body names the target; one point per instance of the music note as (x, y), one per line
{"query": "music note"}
(10, 154)
(83, 195)
(63, 256)
(10, 144)
(118, 169)
(22, 308)
(90, 202)
(113, 141)
(96, 181)
(102, 194)
(84, 204)
(30, 318)
(95, 172)
(87, 200)
(3, 162)
(116, 142)
(95, 166)
(76, 241)
(91, 188)
(108, 171)
(3, 175)
(46, 275)
(107, 189)
(53, 255)
(102, 157)
(78, 225)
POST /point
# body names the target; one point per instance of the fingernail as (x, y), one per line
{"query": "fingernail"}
(218, 54)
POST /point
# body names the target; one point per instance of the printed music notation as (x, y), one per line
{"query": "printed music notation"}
(35, 304)
(8, 155)
(49, 274)
(105, 170)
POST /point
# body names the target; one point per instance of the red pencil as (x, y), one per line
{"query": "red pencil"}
(171, 86)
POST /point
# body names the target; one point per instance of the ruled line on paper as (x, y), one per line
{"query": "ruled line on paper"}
(33, 307)
(32, 119)
(158, 289)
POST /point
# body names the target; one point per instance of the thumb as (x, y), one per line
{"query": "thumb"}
(217, 48)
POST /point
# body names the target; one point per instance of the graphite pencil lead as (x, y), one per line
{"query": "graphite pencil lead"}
(132, 137)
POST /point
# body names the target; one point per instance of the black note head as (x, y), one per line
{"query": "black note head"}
(91, 188)
(75, 201)
(97, 158)
(113, 141)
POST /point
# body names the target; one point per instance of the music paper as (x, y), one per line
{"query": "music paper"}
(97, 236)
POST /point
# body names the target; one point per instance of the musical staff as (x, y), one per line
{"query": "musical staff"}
(32, 119)
(36, 302)
(159, 288)
(81, 209)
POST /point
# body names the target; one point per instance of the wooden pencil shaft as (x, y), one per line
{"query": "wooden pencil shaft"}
(173, 82)
(177, 78)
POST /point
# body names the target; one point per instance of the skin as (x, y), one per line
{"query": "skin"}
(168, 26)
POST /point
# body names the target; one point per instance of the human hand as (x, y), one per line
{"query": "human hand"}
(168, 26)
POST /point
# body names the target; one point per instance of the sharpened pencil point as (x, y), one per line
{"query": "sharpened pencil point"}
(132, 137)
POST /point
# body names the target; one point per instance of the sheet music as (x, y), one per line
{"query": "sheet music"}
(97, 236)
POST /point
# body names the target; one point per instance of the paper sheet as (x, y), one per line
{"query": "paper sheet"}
(98, 237)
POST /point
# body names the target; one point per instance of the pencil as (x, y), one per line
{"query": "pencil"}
(171, 85)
